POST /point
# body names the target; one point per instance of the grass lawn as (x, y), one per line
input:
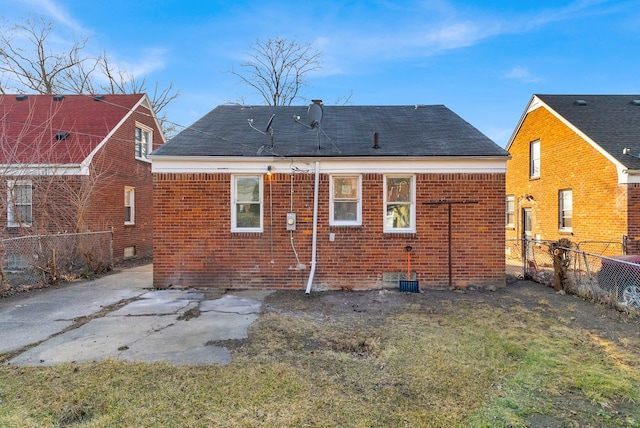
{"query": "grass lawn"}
(445, 362)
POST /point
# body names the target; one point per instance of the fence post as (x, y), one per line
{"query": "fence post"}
(561, 262)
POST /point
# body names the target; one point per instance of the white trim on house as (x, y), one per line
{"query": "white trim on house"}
(346, 165)
(14, 170)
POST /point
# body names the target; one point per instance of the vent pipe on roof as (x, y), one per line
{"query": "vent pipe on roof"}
(58, 97)
(375, 141)
(21, 97)
(635, 102)
(316, 101)
(580, 102)
(98, 98)
(61, 135)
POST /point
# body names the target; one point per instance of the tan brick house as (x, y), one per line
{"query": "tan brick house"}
(78, 163)
(329, 197)
(569, 176)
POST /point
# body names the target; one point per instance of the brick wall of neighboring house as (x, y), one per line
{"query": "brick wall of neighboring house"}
(193, 245)
(118, 168)
(566, 162)
(633, 208)
(113, 167)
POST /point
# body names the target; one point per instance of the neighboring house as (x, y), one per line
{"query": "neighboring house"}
(330, 198)
(569, 176)
(78, 163)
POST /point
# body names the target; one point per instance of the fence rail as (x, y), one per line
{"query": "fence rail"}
(36, 261)
(611, 278)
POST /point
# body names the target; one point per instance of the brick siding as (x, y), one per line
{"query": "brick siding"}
(194, 247)
(567, 161)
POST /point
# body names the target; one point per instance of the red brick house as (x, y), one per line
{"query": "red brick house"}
(77, 163)
(329, 197)
(574, 171)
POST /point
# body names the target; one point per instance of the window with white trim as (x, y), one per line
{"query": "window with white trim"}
(345, 208)
(129, 205)
(246, 203)
(510, 211)
(534, 159)
(19, 203)
(565, 210)
(144, 141)
(399, 203)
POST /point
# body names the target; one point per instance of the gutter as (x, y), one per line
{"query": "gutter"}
(315, 228)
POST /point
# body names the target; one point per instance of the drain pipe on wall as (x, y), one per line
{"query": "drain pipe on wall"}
(315, 229)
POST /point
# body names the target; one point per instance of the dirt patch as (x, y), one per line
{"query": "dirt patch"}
(364, 309)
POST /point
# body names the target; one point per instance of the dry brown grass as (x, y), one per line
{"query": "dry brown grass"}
(425, 363)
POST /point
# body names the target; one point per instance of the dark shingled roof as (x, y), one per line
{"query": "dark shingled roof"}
(611, 121)
(431, 130)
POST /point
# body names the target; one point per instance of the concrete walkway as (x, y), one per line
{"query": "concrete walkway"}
(120, 316)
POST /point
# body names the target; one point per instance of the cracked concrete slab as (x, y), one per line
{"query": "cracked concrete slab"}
(123, 318)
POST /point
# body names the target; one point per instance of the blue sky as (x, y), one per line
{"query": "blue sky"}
(482, 59)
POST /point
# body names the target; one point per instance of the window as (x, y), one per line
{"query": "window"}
(399, 203)
(346, 204)
(19, 203)
(534, 160)
(129, 205)
(565, 209)
(246, 203)
(143, 141)
(510, 211)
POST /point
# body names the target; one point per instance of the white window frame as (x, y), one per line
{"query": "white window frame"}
(510, 211)
(534, 159)
(11, 203)
(139, 143)
(412, 203)
(333, 200)
(563, 209)
(235, 202)
(131, 204)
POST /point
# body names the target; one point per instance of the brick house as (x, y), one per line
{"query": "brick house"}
(568, 176)
(78, 163)
(329, 197)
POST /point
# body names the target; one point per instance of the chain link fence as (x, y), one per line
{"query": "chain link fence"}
(612, 278)
(37, 261)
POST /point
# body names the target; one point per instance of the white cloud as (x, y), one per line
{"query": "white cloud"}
(56, 12)
(523, 74)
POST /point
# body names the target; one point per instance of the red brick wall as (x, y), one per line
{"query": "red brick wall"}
(566, 162)
(193, 245)
(113, 167)
(118, 167)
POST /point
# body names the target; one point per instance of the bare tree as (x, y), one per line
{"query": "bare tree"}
(277, 69)
(29, 62)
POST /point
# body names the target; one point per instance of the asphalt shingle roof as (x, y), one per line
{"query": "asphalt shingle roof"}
(28, 126)
(431, 130)
(611, 121)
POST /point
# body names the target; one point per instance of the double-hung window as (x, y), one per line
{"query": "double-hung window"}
(19, 203)
(565, 210)
(129, 205)
(345, 207)
(246, 203)
(510, 211)
(144, 139)
(399, 204)
(534, 159)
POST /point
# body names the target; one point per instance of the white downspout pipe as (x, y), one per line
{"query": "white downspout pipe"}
(315, 228)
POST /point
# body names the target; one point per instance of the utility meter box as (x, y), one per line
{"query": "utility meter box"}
(291, 221)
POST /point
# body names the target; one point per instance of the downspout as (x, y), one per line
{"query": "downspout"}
(315, 229)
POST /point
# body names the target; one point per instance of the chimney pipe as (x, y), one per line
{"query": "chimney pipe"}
(375, 141)
(316, 101)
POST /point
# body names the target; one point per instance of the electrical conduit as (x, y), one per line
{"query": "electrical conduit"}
(315, 228)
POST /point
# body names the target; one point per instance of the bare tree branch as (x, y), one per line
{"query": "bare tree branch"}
(278, 68)
(29, 63)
